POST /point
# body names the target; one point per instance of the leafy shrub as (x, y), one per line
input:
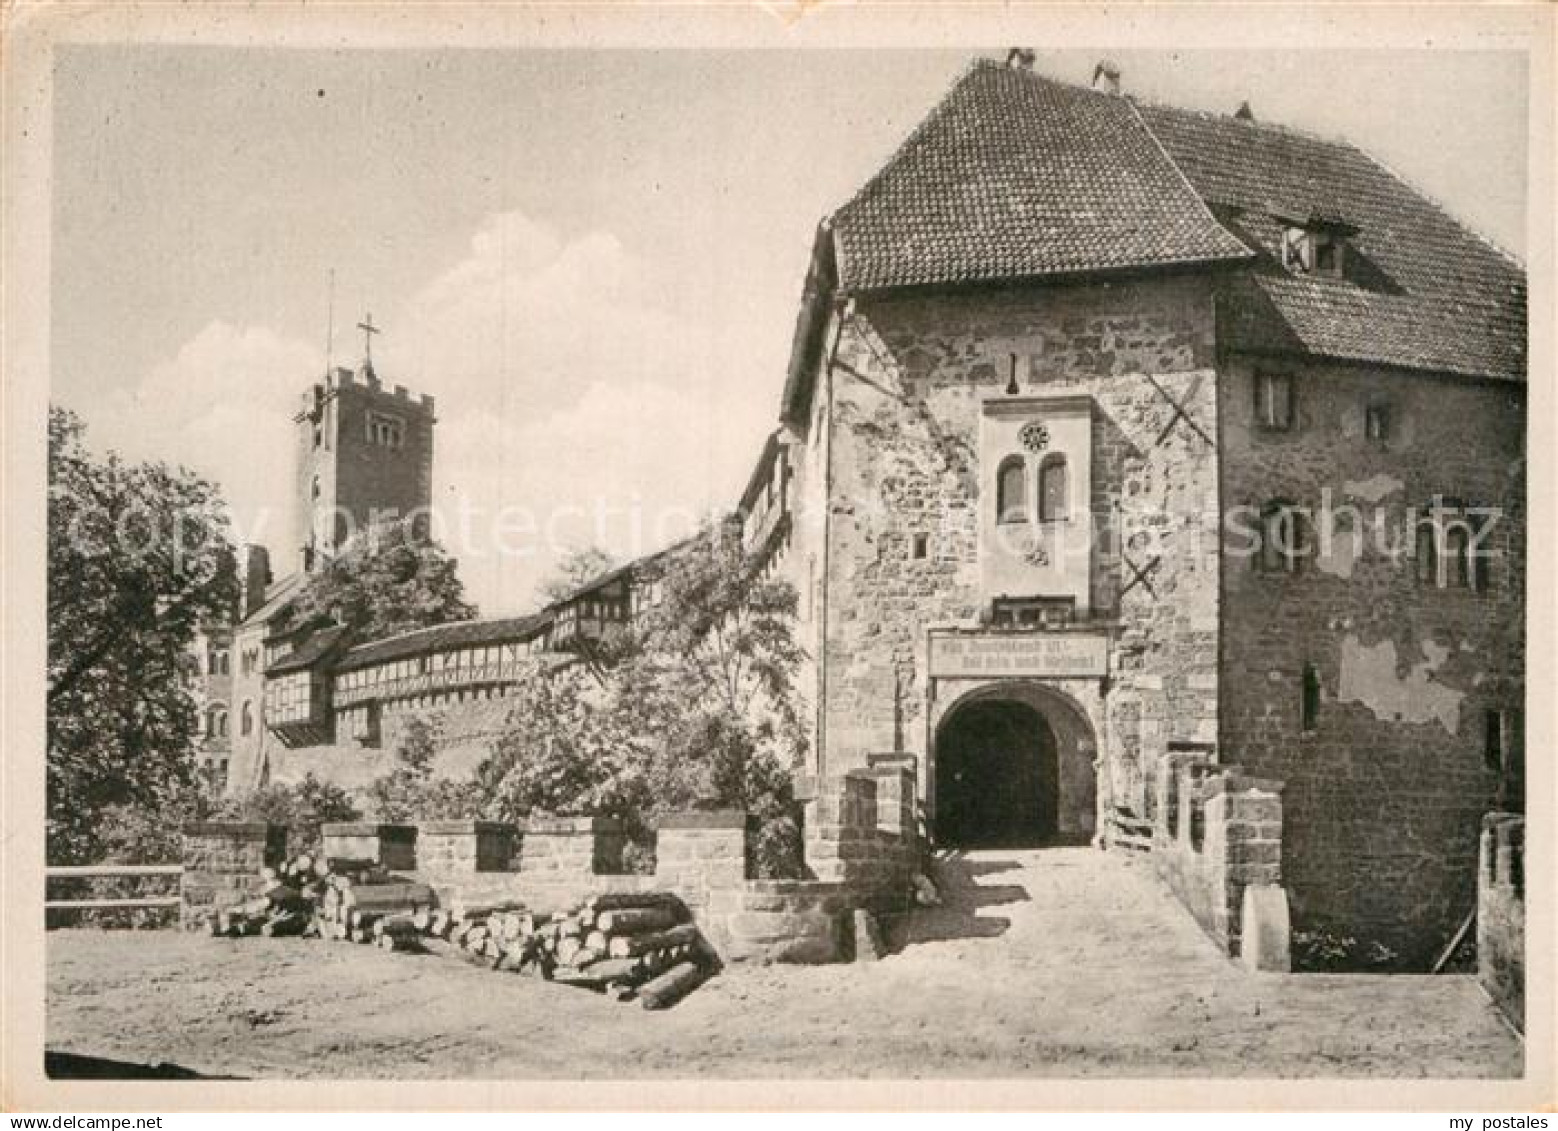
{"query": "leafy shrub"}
(302, 808)
(411, 792)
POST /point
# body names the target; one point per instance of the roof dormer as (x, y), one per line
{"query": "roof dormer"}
(1316, 245)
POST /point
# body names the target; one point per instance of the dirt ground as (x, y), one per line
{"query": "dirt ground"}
(1060, 963)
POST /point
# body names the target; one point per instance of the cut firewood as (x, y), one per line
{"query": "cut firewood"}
(613, 969)
(623, 900)
(670, 987)
(400, 925)
(393, 896)
(631, 920)
(283, 924)
(627, 946)
(484, 910)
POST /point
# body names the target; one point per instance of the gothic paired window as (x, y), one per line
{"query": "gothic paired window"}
(1052, 489)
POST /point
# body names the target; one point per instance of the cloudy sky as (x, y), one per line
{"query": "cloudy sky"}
(592, 259)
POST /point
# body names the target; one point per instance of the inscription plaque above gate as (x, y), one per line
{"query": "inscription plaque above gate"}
(1055, 654)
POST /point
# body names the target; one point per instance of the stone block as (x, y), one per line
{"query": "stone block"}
(1264, 930)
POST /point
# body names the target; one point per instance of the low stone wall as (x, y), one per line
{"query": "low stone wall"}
(222, 862)
(861, 847)
(1217, 841)
(862, 832)
(1501, 914)
(393, 846)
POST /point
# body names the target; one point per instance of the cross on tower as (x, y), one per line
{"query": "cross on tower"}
(368, 330)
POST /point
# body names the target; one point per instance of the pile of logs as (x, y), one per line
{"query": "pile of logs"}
(632, 946)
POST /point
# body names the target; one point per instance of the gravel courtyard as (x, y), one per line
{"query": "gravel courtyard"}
(1054, 963)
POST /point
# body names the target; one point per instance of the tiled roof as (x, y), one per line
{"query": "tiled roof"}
(458, 634)
(1422, 290)
(1014, 175)
(277, 598)
(318, 645)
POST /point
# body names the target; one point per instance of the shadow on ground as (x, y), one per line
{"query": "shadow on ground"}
(962, 898)
(70, 1066)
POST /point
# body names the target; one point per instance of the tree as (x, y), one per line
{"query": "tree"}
(304, 808)
(697, 708)
(574, 569)
(392, 581)
(712, 675)
(138, 558)
(412, 791)
(562, 752)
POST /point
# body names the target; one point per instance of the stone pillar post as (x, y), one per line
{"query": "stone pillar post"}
(695, 852)
(1243, 843)
(222, 862)
(464, 848)
(562, 848)
(1501, 914)
(840, 822)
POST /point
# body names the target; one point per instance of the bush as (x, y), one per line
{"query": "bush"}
(410, 792)
(302, 808)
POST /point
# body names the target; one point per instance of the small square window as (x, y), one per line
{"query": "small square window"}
(921, 546)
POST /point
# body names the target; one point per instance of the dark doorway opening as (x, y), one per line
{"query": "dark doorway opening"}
(996, 777)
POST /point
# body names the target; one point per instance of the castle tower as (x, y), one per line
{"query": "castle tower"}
(365, 456)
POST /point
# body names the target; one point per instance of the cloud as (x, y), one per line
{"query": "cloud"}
(577, 405)
(527, 321)
(222, 406)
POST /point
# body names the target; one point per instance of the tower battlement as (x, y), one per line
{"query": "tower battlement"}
(364, 453)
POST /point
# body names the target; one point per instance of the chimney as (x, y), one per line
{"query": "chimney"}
(1020, 58)
(1244, 113)
(256, 577)
(1106, 77)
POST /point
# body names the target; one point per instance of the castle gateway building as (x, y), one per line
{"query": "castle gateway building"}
(1115, 432)
(1115, 439)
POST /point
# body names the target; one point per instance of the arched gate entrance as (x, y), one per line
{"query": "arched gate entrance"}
(1013, 768)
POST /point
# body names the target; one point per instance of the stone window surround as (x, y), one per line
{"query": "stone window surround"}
(1272, 512)
(1268, 418)
(1444, 535)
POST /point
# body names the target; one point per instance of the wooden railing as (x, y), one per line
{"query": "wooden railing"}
(100, 871)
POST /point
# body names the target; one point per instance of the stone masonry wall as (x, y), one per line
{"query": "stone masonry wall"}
(222, 862)
(1385, 795)
(1501, 914)
(1216, 833)
(862, 846)
(912, 375)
